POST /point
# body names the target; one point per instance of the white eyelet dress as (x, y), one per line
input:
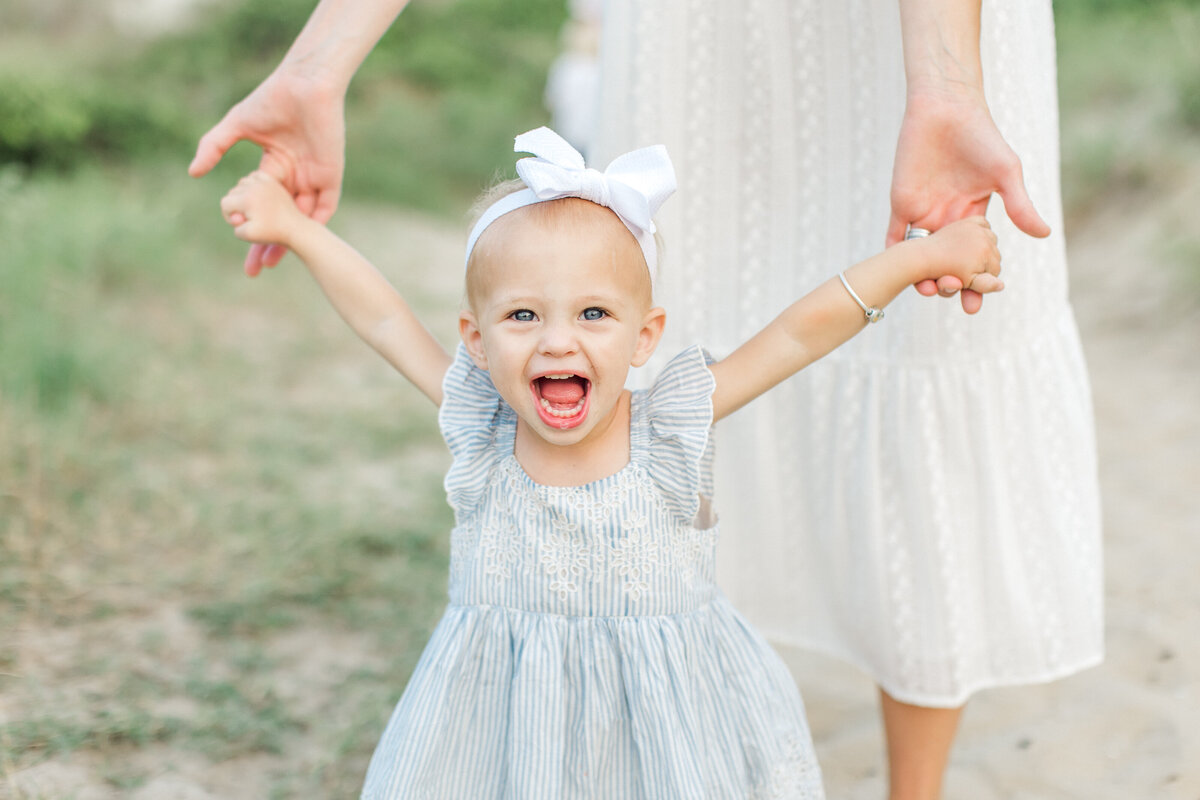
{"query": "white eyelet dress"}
(923, 502)
(586, 652)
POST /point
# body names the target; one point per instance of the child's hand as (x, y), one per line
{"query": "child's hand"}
(261, 210)
(965, 256)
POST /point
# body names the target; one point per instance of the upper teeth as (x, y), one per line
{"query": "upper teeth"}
(561, 377)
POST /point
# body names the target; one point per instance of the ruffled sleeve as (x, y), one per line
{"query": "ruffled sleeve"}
(476, 423)
(675, 420)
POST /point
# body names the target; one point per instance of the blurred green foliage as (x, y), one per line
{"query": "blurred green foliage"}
(1062, 7)
(45, 121)
(431, 114)
(40, 121)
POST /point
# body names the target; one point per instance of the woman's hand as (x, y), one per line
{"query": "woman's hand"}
(950, 159)
(299, 123)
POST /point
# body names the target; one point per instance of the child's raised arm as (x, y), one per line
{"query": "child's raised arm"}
(828, 316)
(261, 211)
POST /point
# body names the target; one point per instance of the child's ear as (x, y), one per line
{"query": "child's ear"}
(649, 335)
(468, 330)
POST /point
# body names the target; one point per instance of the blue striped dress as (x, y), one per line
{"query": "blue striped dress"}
(586, 651)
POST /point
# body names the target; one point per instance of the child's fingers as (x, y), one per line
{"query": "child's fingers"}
(257, 176)
(272, 254)
(948, 285)
(985, 283)
(231, 204)
(926, 288)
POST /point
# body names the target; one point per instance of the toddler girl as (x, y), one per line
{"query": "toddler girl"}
(586, 652)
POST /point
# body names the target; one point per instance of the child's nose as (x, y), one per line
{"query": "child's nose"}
(558, 339)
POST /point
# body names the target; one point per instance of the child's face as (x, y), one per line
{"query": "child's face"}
(561, 312)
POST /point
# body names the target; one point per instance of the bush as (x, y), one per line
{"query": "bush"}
(41, 121)
(1103, 6)
(46, 121)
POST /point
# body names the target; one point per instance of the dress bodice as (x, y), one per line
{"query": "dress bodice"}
(638, 542)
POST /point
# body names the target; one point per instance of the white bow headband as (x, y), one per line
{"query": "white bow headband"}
(634, 186)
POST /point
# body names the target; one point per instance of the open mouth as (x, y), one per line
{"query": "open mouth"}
(561, 399)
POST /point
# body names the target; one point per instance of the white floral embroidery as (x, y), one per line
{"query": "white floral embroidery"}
(569, 498)
(463, 541)
(565, 559)
(523, 496)
(794, 775)
(644, 483)
(500, 550)
(687, 552)
(635, 556)
(620, 530)
(565, 525)
(610, 502)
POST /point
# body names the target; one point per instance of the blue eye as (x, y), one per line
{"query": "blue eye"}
(522, 315)
(593, 314)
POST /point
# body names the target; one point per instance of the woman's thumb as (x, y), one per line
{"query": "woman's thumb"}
(212, 147)
(1020, 208)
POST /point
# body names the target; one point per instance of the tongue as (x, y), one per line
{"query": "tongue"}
(565, 392)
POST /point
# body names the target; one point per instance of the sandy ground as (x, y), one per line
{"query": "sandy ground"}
(1127, 729)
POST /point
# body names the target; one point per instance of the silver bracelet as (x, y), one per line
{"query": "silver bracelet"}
(873, 314)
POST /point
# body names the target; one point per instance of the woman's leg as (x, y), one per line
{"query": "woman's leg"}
(918, 747)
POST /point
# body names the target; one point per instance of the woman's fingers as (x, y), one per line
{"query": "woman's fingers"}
(273, 254)
(254, 261)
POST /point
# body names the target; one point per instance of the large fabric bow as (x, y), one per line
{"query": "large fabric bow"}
(634, 185)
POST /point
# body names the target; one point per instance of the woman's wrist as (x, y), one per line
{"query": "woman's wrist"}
(944, 95)
(315, 77)
(941, 46)
(337, 38)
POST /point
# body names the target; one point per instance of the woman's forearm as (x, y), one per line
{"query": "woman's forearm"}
(337, 38)
(941, 45)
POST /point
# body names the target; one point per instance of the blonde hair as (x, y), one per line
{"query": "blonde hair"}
(498, 191)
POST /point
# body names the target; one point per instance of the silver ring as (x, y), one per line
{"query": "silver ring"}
(915, 233)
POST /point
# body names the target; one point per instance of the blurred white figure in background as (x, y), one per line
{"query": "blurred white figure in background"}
(573, 85)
